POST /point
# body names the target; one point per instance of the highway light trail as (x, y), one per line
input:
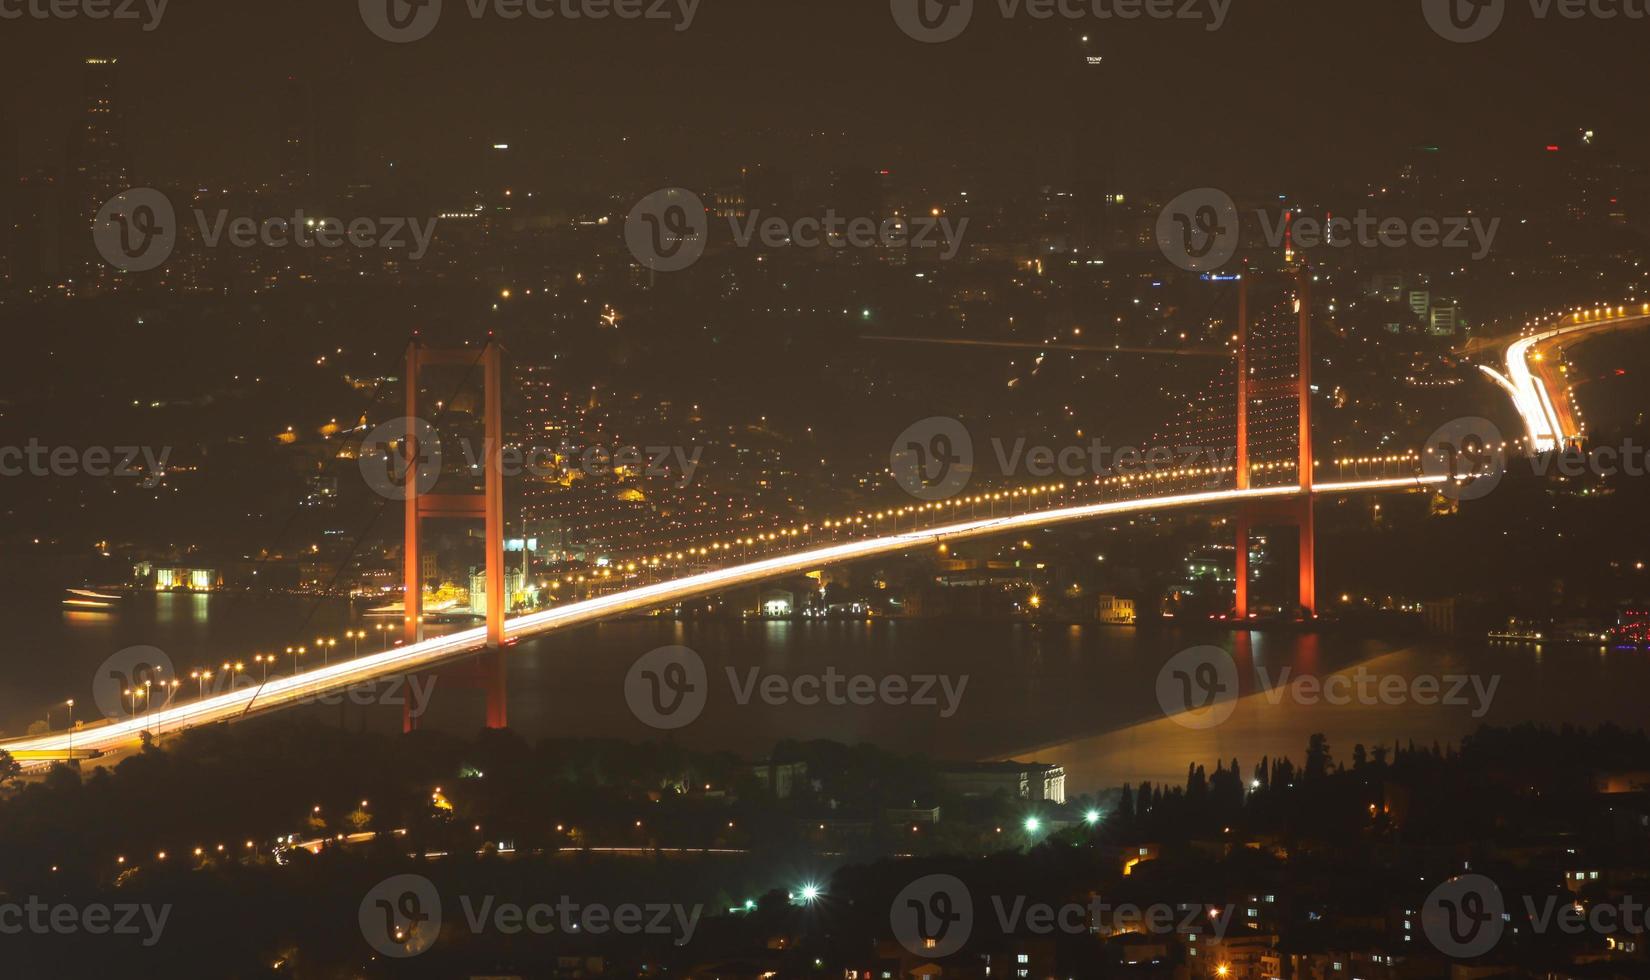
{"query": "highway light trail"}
(279, 692)
(1530, 397)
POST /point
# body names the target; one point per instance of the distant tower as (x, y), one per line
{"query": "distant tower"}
(500, 177)
(1093, 157)
(297, 150)
(98, 167)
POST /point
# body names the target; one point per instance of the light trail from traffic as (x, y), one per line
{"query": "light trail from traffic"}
(281, 692)
(1530, 396)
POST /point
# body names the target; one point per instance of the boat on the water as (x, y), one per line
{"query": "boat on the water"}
(87, 599)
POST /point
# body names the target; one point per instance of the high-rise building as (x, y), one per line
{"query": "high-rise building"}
(1094, 161)
(297, 150)
(98, 164)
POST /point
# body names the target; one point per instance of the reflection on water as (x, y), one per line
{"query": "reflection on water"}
(1081, 696)
(178, 609)
(1551, 686)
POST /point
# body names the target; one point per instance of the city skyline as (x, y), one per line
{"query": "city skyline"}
(941, 488)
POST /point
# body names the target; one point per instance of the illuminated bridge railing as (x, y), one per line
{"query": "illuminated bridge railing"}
(628, 568)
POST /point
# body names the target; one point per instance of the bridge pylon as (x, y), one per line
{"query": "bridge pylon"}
(487, 671)
(1295, 511)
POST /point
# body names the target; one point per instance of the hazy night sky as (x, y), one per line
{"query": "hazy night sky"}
(1282, 92)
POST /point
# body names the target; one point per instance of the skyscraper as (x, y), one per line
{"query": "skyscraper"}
(98, 167)
(1093, 156)
(297, 150)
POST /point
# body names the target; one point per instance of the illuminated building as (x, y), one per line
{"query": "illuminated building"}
(1036, 781)
(173, 578)
(1115, 610)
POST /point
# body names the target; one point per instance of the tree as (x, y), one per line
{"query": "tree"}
(1318, 758)
(1197, 782)
(10, 768)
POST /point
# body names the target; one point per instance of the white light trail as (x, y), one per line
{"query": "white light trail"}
(1530, 397)
(280, 692)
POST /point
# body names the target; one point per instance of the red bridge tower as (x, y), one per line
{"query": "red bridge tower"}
(1292, 511)
(486, 671)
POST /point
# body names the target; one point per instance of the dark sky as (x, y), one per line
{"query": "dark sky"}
(1284, 92)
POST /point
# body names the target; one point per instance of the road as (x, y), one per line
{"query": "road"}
(1543, 403)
